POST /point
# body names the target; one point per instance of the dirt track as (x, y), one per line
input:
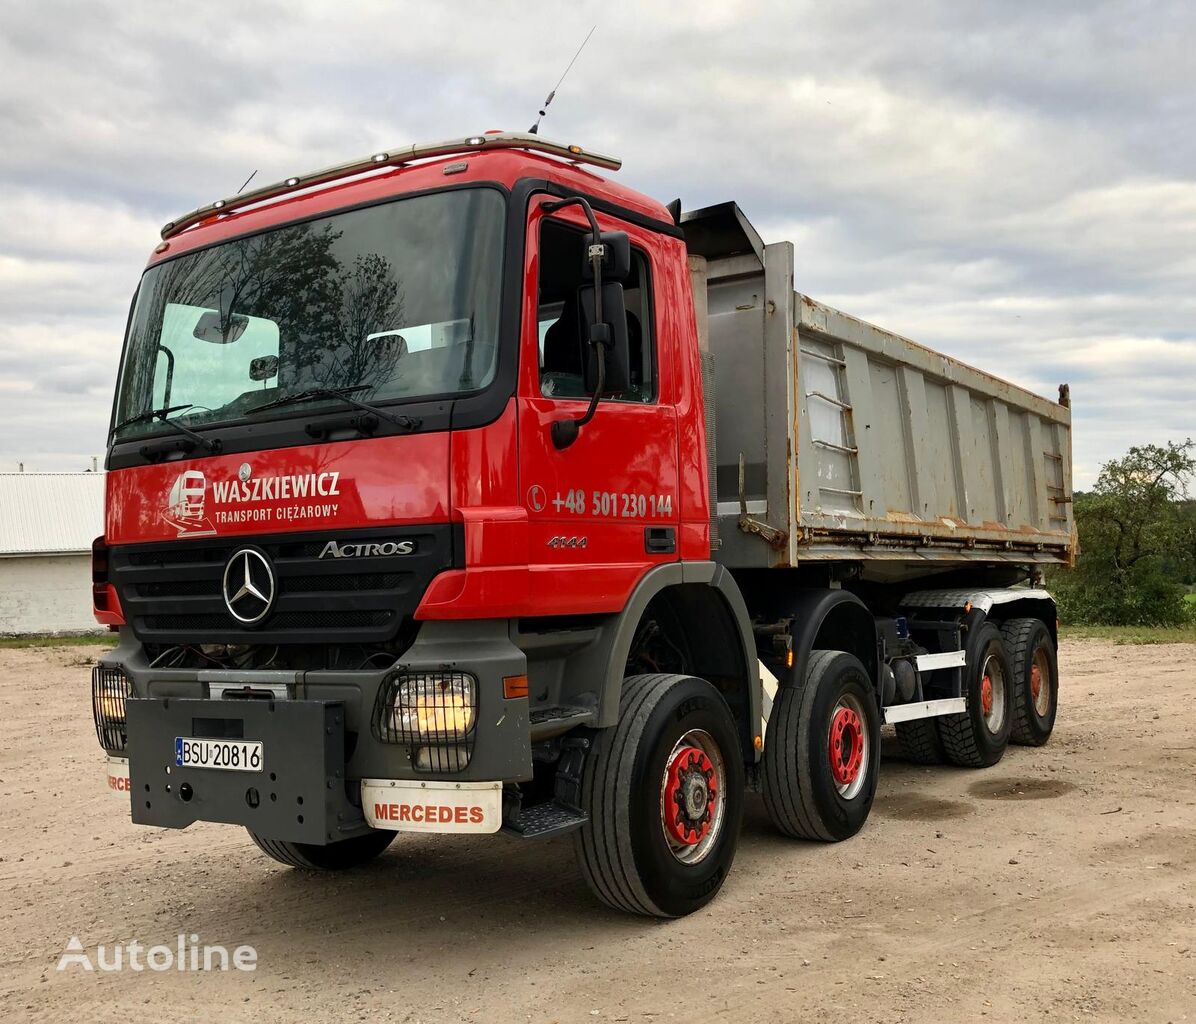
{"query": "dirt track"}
(1056, 886)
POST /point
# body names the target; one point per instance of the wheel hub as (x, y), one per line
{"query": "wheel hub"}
(846, 746)
(986, 696)
(1035, 682)
(690, 792)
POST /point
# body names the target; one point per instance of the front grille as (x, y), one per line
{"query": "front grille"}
(440, 724)
(284, 620)
(109, 691)
(172, 593)
(344, 583)
(179, 588)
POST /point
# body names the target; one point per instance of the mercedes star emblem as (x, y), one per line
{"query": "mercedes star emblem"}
(249, 586)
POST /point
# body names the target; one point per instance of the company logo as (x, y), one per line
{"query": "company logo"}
(197, 507)
(187, 953)
(373, 549)
(249, 586)
(184, 508)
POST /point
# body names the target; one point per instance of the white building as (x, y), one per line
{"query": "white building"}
(47, 524)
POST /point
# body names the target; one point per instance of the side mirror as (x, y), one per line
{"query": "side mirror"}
(210, 328)
(618, 351)
(616, 264)
(263, 368)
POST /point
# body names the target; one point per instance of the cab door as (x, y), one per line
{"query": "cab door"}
(610, 500)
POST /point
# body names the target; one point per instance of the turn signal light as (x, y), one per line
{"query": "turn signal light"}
(514, 686)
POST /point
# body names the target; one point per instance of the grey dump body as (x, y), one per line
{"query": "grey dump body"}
(837, 440)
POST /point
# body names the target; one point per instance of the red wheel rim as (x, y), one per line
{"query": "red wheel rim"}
(986, 696)
(1040, 682)
(690, 795)
(846, 746)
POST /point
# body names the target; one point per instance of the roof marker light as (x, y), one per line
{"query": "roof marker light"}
(504, 140)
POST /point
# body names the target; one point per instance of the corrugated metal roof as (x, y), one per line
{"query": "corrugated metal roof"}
(50, 513)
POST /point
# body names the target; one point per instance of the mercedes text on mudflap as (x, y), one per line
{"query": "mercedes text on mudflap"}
(461, 489)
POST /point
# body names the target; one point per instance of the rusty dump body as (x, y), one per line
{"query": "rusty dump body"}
(839, 441)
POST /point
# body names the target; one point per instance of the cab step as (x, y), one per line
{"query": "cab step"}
(542, 821)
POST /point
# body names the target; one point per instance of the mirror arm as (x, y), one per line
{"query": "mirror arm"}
(564, 432)
(169, 372)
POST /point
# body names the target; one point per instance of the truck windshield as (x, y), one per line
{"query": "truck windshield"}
(397, 302)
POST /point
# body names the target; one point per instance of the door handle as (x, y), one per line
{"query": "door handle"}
(660, 540)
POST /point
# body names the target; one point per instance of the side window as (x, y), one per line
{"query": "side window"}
(561, 335)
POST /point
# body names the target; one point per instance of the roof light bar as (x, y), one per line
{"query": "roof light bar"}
(390, 158)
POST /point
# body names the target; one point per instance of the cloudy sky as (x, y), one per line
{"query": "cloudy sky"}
(1011, 182)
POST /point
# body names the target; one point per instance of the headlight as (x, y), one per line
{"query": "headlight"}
(111, 701)
(433, 706)
(109, 690)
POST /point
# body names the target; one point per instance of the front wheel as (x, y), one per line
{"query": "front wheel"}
(822, 750)
(339, 856)
(663, 791)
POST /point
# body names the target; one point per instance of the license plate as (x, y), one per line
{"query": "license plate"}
(408, 806)
(227, 755)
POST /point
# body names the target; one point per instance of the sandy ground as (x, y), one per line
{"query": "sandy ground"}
(1056, 886)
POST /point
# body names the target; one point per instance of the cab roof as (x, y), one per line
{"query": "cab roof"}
(501, 158)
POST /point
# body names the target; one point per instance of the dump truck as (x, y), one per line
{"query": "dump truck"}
(461, 489)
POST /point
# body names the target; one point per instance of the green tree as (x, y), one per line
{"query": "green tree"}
(1136, 532)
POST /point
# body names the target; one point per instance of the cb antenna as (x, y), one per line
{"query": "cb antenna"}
(535, 128)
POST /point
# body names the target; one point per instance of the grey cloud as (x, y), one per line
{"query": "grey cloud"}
(1008, 181)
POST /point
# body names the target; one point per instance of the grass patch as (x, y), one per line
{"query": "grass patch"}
(59, 640)
(1132, 634)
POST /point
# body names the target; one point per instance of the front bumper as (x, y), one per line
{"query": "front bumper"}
(315, 727)
(299, 794)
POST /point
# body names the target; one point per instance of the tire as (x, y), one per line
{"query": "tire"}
(804, 797)
(340, 856)
(1035, 680)
(976, 738)
(920, 741)
(625, 850)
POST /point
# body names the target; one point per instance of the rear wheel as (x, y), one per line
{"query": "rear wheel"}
(340, 856)
(663, 791)
(977, 737)
(822, 750)
(1035, 680)
(920, 742)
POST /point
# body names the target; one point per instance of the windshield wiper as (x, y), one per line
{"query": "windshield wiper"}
(212, 444)
(345, 395)
(152, 414)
